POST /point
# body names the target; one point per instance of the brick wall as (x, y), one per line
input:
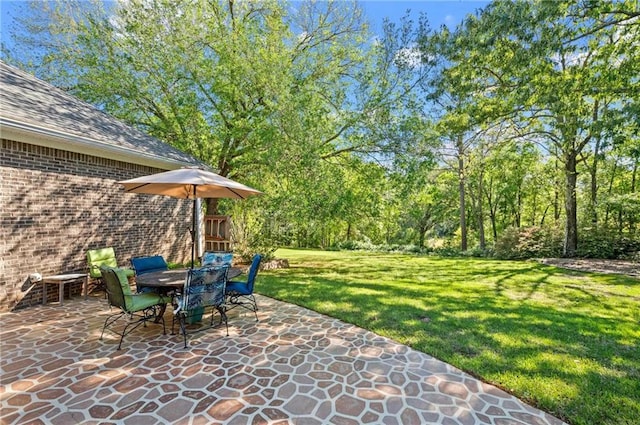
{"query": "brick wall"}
(55, 205)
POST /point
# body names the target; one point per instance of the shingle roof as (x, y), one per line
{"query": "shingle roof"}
(28, 104)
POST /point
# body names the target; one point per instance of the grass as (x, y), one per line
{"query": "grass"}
(566, 342)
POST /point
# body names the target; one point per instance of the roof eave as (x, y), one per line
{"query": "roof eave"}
(36, 135)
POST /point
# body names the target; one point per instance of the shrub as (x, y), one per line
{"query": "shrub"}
(478, 252)
(349, 245)
(595, 244)
(528, 242)
(532, 242)
(447, 251)
(250, 240)
(607, 243)
(368, 246)
(415, 249)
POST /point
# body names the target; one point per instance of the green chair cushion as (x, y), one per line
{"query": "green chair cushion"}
(124, 282)
(94, 266)
(101, 254)
(103, 257)
(139, 302)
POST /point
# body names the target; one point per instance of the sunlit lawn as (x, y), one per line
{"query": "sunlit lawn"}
(566, 342)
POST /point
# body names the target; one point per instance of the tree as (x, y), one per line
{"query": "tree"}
(203, 76)
(449, 101)
(255, 89)
(549, 67)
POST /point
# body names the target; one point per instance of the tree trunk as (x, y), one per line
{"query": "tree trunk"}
(571, 205)
(492, 214)
(463, 222)
(609, 190)
(544, 215)
(424, 225)
(494, 228)
(518, 211)
(593, 171)
(534, 208)
(212, 206)
(556, 194)
(593, 202)
(480, 216)
(422, 231)
(620, 222)
(632, 215)
(634, 174)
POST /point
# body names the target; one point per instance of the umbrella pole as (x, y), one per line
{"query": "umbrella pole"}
(193, 228)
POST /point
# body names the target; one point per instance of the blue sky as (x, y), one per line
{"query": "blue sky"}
(439, 12)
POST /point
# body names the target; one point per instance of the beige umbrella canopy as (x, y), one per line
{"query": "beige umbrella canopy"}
(189, 183)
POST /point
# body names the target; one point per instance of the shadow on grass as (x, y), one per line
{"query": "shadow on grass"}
(517, 325)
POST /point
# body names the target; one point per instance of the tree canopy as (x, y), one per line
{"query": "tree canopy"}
(525, 115)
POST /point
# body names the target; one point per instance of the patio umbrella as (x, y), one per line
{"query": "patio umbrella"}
(189, 183)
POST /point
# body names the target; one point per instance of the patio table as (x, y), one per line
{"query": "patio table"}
(172, 279)
(61, 280)
(168, 280)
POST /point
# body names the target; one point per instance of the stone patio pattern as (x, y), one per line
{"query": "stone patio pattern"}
(294, 366)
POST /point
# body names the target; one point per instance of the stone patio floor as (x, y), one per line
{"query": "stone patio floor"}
(294, 366)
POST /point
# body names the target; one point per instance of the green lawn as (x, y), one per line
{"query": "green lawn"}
(566, 342)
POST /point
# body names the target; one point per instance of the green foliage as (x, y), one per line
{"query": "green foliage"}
(172, 265)
(291, 100)
(478, 252)
(351, 245)
(564, 341)
(541, 242)
(373, 144)
(528, 242)
(448, 251)
(563, 72)
(607, 243)
(442, 251)
(249, 234)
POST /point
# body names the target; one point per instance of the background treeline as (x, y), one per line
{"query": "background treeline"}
(514, 134)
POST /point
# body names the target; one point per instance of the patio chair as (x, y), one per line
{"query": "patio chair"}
(144, 265)
(138, 309)
(155, 263)
(203, 288)
(240, 294)
(217, 258)
(103, 257)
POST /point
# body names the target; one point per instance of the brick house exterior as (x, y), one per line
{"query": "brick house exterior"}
(60, 161)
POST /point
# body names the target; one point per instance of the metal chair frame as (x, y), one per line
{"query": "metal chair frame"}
(205, 291)
(246, 301)
(135, 318)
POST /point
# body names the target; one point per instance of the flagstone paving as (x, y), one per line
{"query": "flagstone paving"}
(294, 366)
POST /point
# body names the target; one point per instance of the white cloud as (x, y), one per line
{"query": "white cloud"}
(570, 59)
(410, 57)
(450, 20)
